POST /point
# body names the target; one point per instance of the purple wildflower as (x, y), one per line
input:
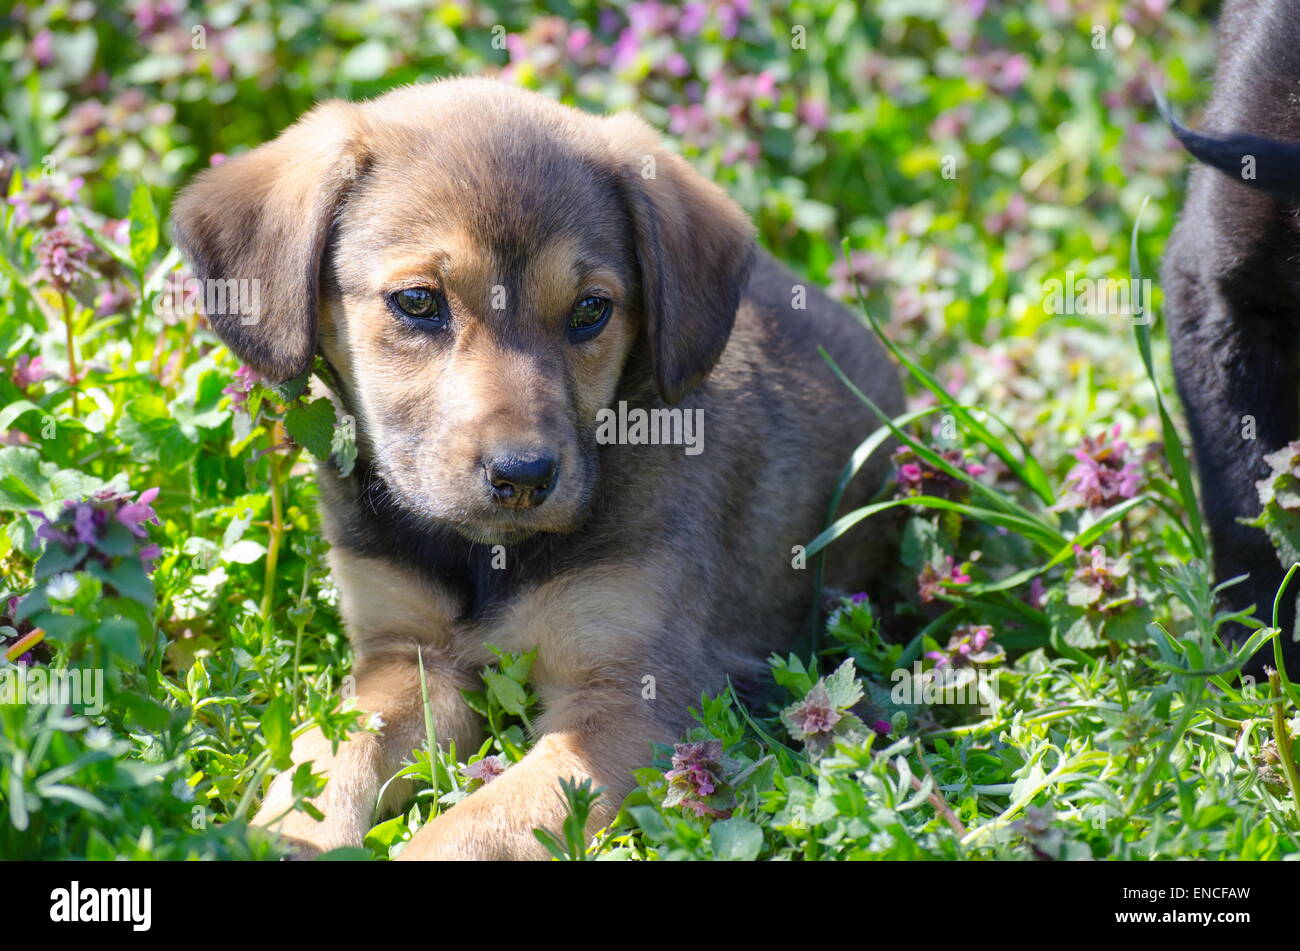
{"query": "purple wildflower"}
(91, 523)
(824, 715)
(916, 476)
(43, 203)
(240, 387)
(969, 644)
(930, 583)
(27, 370)
(697, 779)
(814, 714)
(1100, 583)
(63, 256)
(485, 770)
(1103, 476)
(694, 766)
(134, 514)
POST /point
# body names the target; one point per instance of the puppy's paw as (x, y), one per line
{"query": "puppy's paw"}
(444, 841)
(298, 850)
(305, 838)
(470, 833)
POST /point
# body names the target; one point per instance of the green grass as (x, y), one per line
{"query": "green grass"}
(1120, 726)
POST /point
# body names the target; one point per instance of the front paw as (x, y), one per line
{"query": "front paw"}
(297, 850)
(303, 837)
(471, 831)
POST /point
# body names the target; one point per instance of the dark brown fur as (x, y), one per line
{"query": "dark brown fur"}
(646, 562)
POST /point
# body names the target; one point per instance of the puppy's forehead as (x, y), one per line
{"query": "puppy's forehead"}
(509, 180)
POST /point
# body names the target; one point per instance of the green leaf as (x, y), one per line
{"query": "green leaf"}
(121, 639)
(148, 713)
(312, 426)
(27, 483)
(144, 227)
(278, 731)
(508, 693)
(386, 834)
(153, 432)
(651, 823)
(842, 686)
(127, 577)
(343, 448)
(287, 392)
(346, 853)
(78, 797)
(736, 839)
(14, 410)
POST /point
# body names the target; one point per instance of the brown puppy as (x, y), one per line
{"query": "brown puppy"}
(490, 274)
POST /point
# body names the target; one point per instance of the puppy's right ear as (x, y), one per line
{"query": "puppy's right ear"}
(265, 217)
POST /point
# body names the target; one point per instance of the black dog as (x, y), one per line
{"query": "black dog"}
(1232, 292)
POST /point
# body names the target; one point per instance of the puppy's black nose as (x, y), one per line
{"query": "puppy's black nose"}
(521, 480)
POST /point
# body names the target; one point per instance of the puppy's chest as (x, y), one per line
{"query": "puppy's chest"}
(388, 606)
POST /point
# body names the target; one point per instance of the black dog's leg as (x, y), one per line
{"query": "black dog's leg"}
(1237, 359)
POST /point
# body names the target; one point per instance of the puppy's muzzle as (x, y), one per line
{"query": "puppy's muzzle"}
(521, 480)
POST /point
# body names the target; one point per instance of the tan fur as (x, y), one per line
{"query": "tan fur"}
(647, 576)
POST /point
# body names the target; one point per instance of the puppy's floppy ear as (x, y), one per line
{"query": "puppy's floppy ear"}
(695, 246)
(265, 217)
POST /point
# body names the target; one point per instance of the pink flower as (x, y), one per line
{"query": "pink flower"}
(83, 523)
(676, 64)
(28, 370)
(86, 522)
(1037, 594)
(1103, 476)
(695, 765)
(814, 114)
(692, 19)
(134, 514)
(239, 388)
(1012, 75)
(113, 300)
(917, 476)
(43, 48)
(63, 256)
(814, 714)
(485, 770)
(969, 644)
(951, 123)
(930, 584)
(43, 203)
(578, 41)
(155, 16)
(696, 774)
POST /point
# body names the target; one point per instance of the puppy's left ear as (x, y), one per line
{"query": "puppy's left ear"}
(265, 217)
(695, 246)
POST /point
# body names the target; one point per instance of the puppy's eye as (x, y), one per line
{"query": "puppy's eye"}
(420, 303)
(588, 316)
